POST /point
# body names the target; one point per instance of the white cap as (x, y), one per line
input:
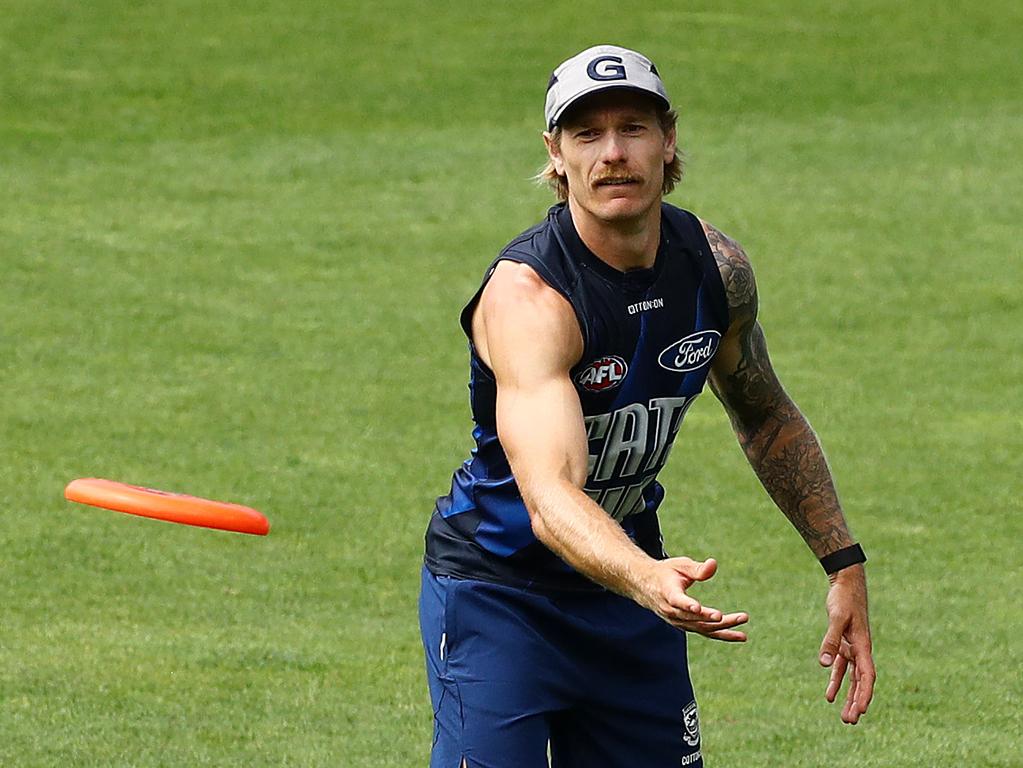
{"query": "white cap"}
(598, 69)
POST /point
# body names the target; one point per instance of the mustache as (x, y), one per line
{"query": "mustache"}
(616, 178)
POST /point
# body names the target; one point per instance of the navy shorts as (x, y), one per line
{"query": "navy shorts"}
(602, 680)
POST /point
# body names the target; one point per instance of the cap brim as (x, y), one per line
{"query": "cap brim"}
(603, 88)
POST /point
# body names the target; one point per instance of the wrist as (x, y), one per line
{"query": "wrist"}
(854, 574)
(640, 583)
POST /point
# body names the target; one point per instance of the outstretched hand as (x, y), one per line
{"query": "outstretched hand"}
(846, 647)
(666, 595)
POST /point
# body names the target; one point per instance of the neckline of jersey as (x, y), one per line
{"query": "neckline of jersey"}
(633, 280)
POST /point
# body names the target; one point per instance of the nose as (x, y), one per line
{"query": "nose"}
(614, 149)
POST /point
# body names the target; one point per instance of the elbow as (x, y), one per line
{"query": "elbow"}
(546, 498)
(546, 505)
(536, 520)
(769, 418)
(538, 526)
(535, 508)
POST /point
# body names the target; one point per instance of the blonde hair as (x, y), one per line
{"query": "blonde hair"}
(672, 171)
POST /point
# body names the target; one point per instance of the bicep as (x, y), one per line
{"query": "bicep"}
(533, 339)
(542, 432)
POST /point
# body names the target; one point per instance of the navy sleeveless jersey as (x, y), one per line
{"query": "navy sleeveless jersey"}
(649, 337)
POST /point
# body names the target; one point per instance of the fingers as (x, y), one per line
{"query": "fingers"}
(835, 681)
(682, 607)
(856, 660)
(727, 621)
(706, 569)
(861, 695)
(719, 630)
(666, 591)
(727, 636)
(850, 713)
(685, 608)
(694, 569)
(830, 645)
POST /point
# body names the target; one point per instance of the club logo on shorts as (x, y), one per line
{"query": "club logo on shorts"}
(690, 724)
(605, 373)
(690, 353)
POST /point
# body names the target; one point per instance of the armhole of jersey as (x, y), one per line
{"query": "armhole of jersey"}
(716, 283)
(465, 318)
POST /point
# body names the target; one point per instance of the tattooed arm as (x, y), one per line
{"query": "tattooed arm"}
(774, 435)
(787, 457)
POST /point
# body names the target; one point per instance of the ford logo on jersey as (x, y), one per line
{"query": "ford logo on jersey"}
(605, 373)
(690, 353)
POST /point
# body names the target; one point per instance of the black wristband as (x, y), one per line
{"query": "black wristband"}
(843, 558)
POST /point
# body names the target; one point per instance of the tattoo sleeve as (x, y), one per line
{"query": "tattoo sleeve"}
(775, 436)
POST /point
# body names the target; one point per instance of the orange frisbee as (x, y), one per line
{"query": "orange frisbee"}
(161, 505)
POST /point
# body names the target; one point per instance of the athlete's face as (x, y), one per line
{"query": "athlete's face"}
(613, 152)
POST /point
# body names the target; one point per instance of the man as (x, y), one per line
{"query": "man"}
(550, 613)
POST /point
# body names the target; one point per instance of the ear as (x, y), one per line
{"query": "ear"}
(554, 153)
(670, 145)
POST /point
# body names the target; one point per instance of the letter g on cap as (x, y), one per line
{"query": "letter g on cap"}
(609, 71)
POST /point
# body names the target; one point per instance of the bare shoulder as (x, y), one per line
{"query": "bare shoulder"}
(736, 274)
(520, 316)
(517, 287)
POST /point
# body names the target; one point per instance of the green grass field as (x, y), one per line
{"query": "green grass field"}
(234, 243)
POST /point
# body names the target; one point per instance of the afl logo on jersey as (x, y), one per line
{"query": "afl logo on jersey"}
(605, 373)
(690, 353)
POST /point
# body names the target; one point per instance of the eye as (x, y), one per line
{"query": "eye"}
(633, 128)
(585, 133)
